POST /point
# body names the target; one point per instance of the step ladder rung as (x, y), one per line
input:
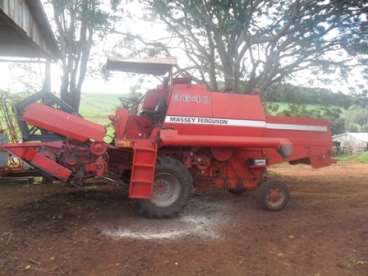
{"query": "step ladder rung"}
(141, 181)
(148, 165)
(143, 169)
(144, 149)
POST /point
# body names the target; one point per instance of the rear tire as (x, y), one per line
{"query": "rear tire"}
(172, 189)
(273, 196)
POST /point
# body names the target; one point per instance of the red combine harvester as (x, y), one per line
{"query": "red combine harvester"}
(179, 132)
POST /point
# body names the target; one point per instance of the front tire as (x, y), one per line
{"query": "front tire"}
(273, 196)
(172, 189)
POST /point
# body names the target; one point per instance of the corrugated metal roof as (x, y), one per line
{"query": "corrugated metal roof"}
(154, 66)
(25, 30)
(362, 136)
(44, 24)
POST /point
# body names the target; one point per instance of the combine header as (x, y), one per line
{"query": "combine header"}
(179, 134)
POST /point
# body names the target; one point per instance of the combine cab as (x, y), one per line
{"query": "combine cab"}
(178, 135)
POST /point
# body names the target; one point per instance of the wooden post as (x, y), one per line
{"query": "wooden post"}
(47, 81)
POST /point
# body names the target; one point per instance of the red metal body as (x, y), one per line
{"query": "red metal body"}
(222, 137)
(42, 160)
(82, 154)
(63, 123)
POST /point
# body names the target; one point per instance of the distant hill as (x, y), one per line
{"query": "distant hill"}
(288, 93)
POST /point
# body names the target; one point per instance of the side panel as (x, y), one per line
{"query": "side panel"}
(193, 110)
(237, 106)
(201, 115)
(190, 100)
(311, 139)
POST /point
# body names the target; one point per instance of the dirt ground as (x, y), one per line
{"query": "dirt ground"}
(54, 230)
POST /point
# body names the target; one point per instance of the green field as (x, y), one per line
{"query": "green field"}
(97, 107)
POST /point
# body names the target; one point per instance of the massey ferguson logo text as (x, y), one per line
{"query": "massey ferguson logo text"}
(241, 123)
(192, 99)
(196, 120)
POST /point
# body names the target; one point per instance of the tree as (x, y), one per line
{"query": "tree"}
(307, 95)
(356, 118)
(77, 23)
(355, 38)
(255, 43)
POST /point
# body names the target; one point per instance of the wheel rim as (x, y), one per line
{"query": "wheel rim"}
(166, 190)
(275, 197)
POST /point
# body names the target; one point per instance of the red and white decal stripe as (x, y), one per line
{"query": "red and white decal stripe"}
(241, 123)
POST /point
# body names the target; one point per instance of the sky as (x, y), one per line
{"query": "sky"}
(14, 79)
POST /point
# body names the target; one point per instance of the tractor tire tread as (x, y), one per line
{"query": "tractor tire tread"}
(262, 192)
(147, 209)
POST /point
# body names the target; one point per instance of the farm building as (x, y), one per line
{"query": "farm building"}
(351, 142)
(25, 30)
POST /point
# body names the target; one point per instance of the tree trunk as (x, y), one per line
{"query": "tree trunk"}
(232, 78)
(47, 81)
(76, 39)
(72, 97)
(212, 74)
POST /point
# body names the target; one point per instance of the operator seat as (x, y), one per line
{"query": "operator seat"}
(129, 126)
(154, 104)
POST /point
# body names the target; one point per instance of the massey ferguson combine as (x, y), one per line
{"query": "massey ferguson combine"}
(179, 134)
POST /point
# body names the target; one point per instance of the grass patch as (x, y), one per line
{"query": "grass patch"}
(363, 157)
(345, 157)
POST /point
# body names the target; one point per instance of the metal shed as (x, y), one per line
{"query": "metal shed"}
(25, 30)
(351, 142)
